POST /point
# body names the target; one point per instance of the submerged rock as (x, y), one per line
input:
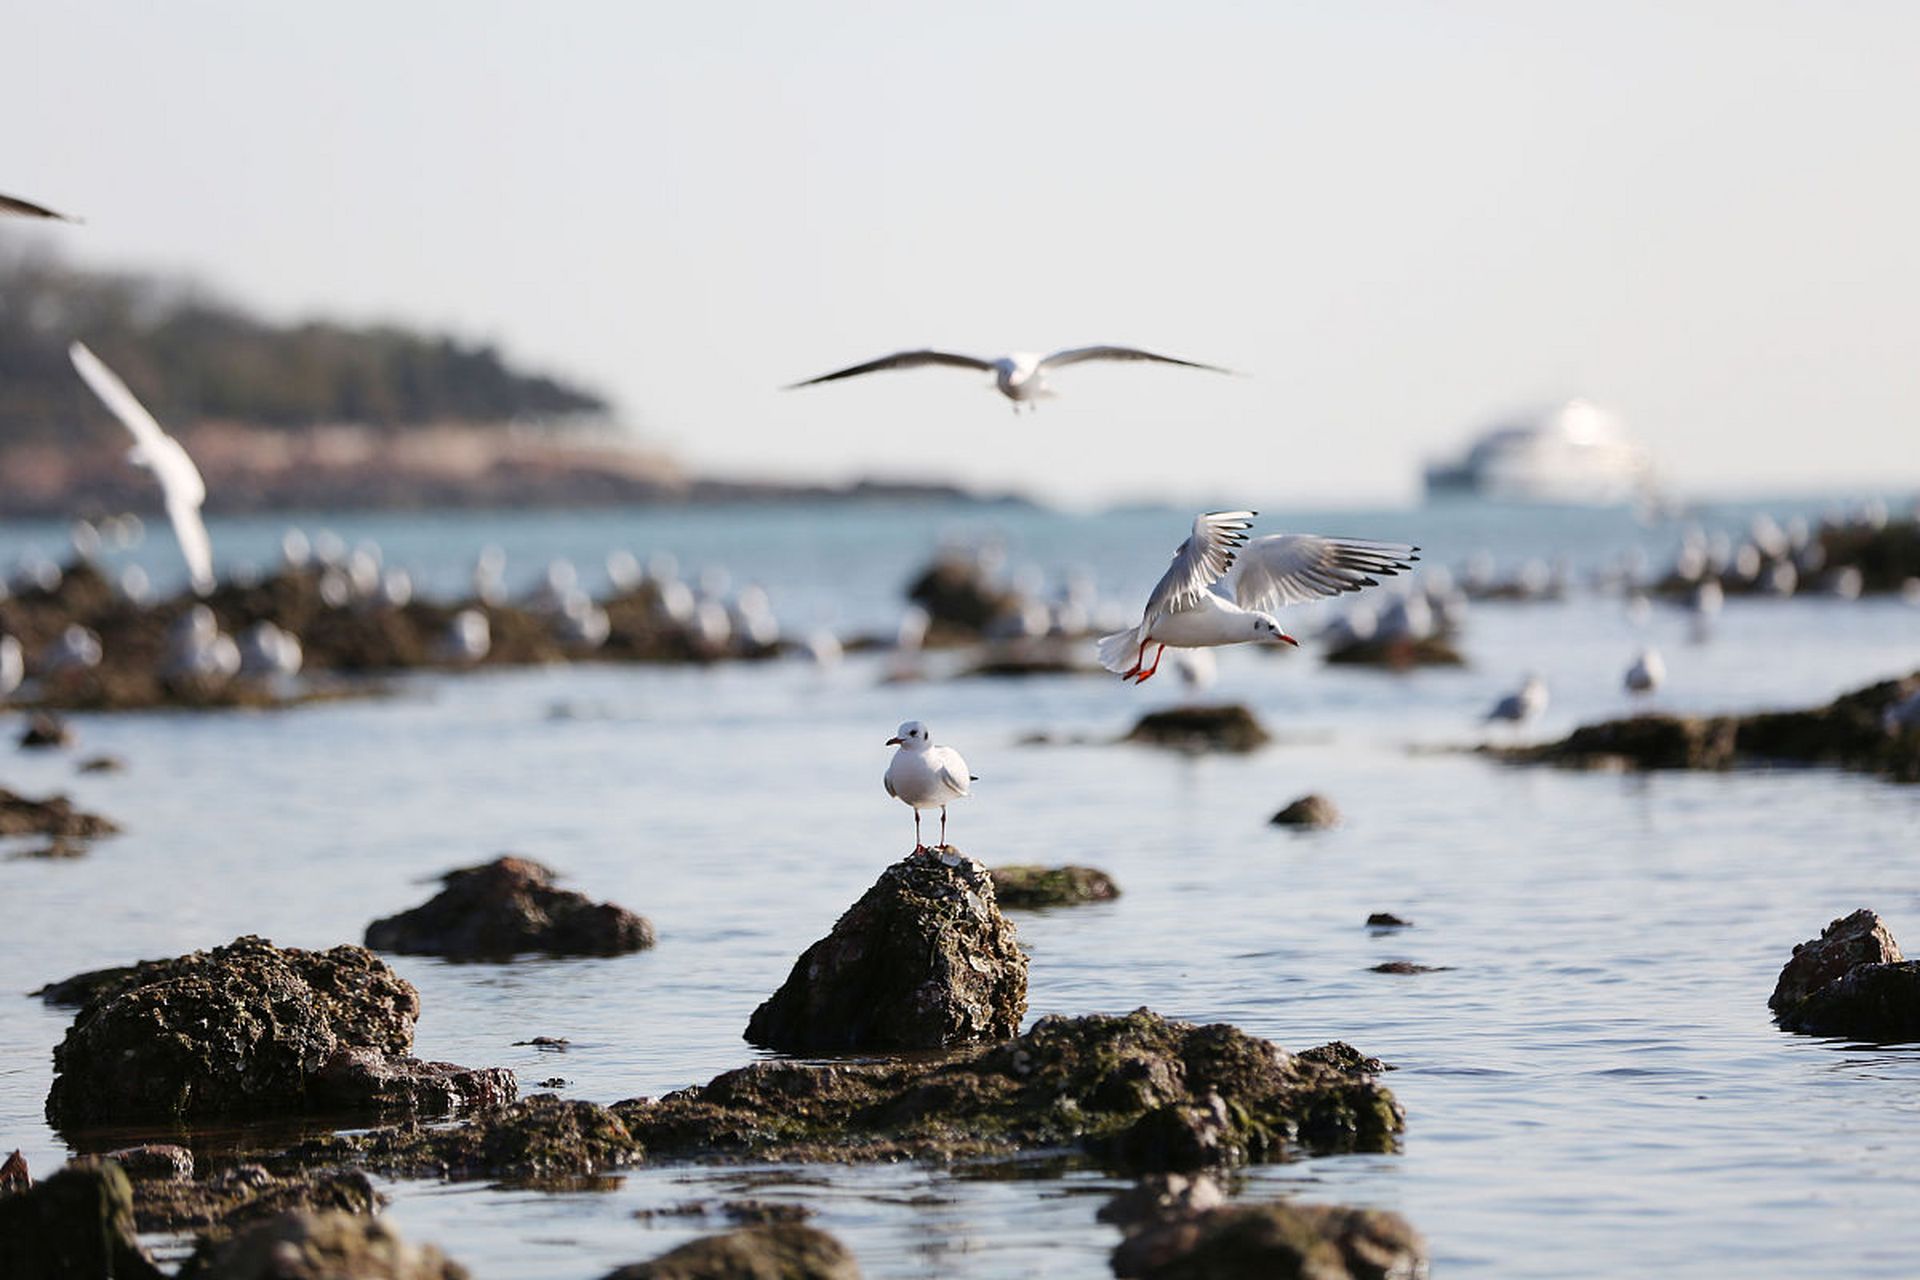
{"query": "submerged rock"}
(1278, 1241)
(54, 816)
(250, 1028)
(1314, 811)
(1387, 920)
(1850, 732)
(153, 1162)
(78, 1222)
(1397, 653)
(1136, 1092)
(779, 1251)
(1408, 967)
(538, 1139)
(506, 907)
(923, 960)
(46, 731)
(322, 1246)
(1224, 728)
(1030, 887)
(239, 1196)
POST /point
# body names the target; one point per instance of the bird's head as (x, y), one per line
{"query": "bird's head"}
(912, 735)
(1266, 627)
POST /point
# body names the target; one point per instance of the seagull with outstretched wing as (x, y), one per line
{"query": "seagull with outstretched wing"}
(28, 209)
(1222, 589)
(1020, 377)
(160, 453)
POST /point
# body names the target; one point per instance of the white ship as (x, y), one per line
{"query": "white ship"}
(1575, 454)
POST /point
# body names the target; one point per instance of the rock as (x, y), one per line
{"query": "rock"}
(538, 1139)
(54, 850)
(322, 1246)
(923, 960)
(1408, 966)
(237, 1197)
(77, 1223)
(1162, 1195)
(959, 599)
(1028, 887)
(1281, 1241)
(14, 1175)
(156, 1161)
(1134, 1092)
(1314, 811)
(46, 731)
(1844, 945)
(1848, 733)
(1398, 653)
(251, 1028)
(54, 816)
(507, 907)
(1224, 728)
(1876, 1002)
(1387, 920)
(782, 1251)
(101, 764)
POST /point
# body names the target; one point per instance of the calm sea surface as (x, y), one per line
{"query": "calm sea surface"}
(1593, 1086)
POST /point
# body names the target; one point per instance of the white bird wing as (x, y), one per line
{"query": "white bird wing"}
(1293, 568)
(1200, 562)
(1076, 355)
(953, 771)
(28, 209)
(160, 453)
(899, 360)
(886, 780)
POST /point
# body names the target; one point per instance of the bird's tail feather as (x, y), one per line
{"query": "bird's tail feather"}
(1119, 651)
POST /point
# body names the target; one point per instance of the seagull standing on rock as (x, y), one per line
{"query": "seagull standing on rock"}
(924, 776)
(1523, 704)
(1221, 588)
(1647, 673)
(1020, 376)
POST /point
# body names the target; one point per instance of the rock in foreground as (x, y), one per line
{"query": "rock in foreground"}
(924, 960)
(78, 1222)
(322, 1246)
(1313, 811)
(1850, 981)
(507, 907)
(1281, 1241)
(1138, 1092)
(1225, 728)
(1029, 888)
(250, 1028)
(783, 1251)
(1850, 732)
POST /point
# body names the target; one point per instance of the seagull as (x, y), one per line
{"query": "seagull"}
(161, 454)
(925, 777)
(1523, 704)
(1647, 673)
(1021, 376)
(13, 665)
(1221, 588)
(28, 209)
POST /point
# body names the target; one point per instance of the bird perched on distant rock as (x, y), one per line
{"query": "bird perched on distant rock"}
(1648, 672)
(1523, 704)
(161, 454)
(1020, 376)
(1220, 588)
(924, 776)
(13, 665)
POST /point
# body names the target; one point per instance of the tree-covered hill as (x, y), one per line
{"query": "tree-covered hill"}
(192, 356)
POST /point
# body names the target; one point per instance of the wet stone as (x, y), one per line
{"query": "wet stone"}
(1313, 811)
(321, 1246)
(924, 960)
(77, 1222)
(1387, 920)
(780, 1251)
(1844, 945)
(46, 732)
(1279, 1241)
(1231, 728)
(1408, 967)
(509, 907)
(1029, 888)
(55, 816)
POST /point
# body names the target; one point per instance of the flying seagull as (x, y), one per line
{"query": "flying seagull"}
(1221, 588)
(28, 209)
(161, 454)
(1021, 377)
(925, 777)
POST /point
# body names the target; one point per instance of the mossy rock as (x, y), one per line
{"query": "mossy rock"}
(1030, 888)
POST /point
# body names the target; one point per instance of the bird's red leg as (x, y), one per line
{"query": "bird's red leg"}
(919, 845)
(1138, 662)
(943, 826)
(1148, 673)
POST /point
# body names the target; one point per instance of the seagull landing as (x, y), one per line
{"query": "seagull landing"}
(1020, 377)
(161, 454)
(1221, 588)
(925, 777)
(28, 209)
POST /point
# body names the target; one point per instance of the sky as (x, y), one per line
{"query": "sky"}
(1400, 220)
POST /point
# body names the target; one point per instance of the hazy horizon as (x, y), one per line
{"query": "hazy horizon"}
(1402, 223)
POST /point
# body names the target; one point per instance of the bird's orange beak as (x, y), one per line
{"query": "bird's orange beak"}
(896, 742)
(1281, 635)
